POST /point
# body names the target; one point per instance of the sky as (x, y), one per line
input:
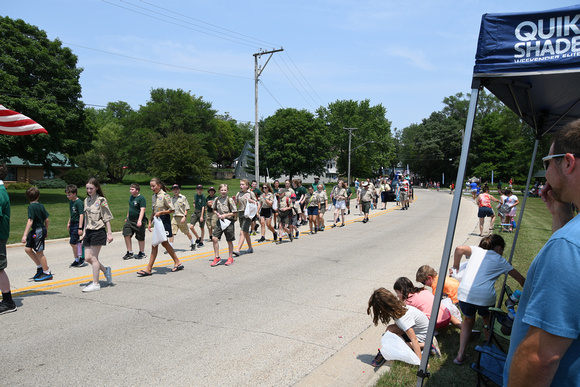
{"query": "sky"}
(405, 55)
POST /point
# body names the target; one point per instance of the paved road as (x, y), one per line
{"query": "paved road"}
(287, 314)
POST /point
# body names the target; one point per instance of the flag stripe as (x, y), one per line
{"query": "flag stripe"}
(16, 124)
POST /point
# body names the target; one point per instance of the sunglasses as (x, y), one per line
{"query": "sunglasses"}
(546, 160)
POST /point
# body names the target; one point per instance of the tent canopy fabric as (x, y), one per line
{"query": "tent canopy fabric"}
(531, 62)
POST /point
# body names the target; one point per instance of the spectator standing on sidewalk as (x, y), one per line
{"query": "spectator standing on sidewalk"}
(545, 339)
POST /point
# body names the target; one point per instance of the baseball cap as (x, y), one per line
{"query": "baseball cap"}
(175, 186)
(211, 189)
(293, 196)
(199, 186)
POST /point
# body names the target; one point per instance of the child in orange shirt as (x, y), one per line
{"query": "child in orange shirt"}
(428, 277)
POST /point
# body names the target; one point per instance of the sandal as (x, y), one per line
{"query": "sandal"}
(461, 362)
(143, 273)
(177, 268)
(379, 360)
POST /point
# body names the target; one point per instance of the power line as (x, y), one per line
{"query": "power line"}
(213, 25)
(271, 95)
(306, 80)
(292, 83)
(159, 63)
(216, 34)
(300, 83)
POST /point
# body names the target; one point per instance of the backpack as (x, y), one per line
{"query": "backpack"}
(235, 211)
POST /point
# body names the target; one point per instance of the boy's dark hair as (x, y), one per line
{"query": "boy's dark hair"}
(71, 188)
(32, 194)
(3, 171)
(567, 139)
(424, 272)
(136, 186)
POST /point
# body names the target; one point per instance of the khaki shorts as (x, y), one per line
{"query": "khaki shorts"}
(404, 195)
(230, 231)
(177, 225)
(211, 221)
(195, 218)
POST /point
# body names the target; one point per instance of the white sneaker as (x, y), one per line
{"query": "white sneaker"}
(92, 287)
(108, 275)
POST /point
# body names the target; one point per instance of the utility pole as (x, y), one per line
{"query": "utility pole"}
(349, 144)
(257, 73)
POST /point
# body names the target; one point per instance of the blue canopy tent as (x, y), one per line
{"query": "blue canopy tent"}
(531, 62)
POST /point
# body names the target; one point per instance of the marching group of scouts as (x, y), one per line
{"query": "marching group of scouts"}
(281, 209)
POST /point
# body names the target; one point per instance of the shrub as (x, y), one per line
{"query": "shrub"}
(49, 183)
(76, 176)
(18, 186)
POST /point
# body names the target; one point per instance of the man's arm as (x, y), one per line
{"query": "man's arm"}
(537, 358)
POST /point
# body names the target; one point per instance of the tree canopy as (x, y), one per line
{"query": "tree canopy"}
(501, 142)
(293, 142)
(40, 78)
(371, 144)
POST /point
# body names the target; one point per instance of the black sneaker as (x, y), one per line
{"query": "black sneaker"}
(44, 277)
(197, 240)
(140, 255)
(38, 273)
(192, 247)
(128, 256)
(75, 264)
(81, 262)
(275, 235)
(6, 307)
(200, 244)
(262, 239)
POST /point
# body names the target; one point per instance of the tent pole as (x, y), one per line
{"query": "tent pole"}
(521, 215)
(422, 373)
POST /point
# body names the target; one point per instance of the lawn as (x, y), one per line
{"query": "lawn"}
(536, 230)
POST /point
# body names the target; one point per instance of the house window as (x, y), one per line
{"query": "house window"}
(11, 176)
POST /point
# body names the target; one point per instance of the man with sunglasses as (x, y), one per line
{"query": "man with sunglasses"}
(545, 344)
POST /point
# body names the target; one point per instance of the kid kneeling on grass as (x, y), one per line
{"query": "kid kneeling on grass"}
(77, 215)
(35, 234)
(409, 322)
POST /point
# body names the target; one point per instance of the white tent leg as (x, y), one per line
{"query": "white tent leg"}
(422, 374)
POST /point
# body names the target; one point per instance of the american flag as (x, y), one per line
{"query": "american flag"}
(16, 124)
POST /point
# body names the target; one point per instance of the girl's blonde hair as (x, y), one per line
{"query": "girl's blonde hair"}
(223, 186)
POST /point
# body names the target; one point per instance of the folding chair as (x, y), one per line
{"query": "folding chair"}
(492, 353)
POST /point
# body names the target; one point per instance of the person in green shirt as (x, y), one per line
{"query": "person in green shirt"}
(301, 192)
(135, 222)
(77, 214)
(35, 234)
(7, 304)
(199, 203)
